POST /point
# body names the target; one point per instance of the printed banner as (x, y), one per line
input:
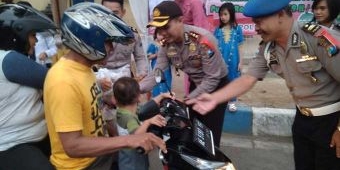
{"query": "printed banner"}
(301, 11)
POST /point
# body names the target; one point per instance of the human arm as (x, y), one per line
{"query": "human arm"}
(45, 47)
(76, 145)
(152, 51)
(19, 69)
(140, 58)
(211, 70)
(207, 102)
(149, 81)
(157, 120)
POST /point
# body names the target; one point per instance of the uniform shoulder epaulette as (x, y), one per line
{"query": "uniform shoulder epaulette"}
(311, 28)
(194, 35)
(134, 29)
(326, 40)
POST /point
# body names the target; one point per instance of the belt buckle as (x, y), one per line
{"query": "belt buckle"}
(306, 111)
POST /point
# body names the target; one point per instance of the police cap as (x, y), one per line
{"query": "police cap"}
(262, 8)
(164, 12)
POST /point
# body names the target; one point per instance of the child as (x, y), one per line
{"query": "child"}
(126, 95)
(230, 38)
(152, 56)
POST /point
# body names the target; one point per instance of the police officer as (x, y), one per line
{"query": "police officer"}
(194, 51)
(121, 56)
(307, 57)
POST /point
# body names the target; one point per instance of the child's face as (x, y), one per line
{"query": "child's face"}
(225, 16)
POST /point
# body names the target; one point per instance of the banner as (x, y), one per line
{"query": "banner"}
(301, 11)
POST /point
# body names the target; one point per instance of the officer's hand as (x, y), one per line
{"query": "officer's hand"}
(335, 142)
(203, 103)
(147, 141)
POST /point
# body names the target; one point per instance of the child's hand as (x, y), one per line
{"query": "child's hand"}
(157, 120)
(159, 98)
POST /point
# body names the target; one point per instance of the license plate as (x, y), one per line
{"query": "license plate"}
(203, 137)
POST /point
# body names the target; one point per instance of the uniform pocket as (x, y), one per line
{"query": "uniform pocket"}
(276, 68)
(309, 66)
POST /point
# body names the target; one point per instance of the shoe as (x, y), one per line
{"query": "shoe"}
(232, 107)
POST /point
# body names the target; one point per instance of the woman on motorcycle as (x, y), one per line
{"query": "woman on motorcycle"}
(23, 128)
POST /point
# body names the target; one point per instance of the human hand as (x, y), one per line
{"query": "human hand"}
(147, 141)
(335, 142)
(105, 83)
(203, 103)
(42, 56)
(162, 96)
(157, 120)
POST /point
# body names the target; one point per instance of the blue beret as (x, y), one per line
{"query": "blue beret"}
(261, 8)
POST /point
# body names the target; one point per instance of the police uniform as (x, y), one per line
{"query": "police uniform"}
(198, 56)
(121, 56)
(310, 67)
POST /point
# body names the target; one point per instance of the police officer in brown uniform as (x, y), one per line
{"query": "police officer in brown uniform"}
(121, 56)
(194, 51)
(307, 57)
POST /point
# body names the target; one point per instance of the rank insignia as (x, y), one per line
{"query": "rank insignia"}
(171, 52)
(194, 35)
(311, 28)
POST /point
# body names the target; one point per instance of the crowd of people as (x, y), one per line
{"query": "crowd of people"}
(62, 115)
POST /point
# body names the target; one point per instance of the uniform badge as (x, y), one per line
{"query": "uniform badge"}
(273, 58)
(186, 38)
(172, 51)
(303, 48)
(192, 47)
(304, 54)
(295, 39)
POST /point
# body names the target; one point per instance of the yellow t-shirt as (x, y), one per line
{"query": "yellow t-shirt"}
(71, 98)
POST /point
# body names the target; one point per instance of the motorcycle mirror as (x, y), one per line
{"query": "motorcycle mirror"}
(160, 78)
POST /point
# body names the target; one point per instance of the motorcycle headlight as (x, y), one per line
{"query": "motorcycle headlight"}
(204, 164)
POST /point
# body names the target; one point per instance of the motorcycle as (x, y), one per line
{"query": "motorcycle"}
(189, 142)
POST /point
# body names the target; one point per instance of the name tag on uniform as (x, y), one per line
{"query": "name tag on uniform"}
(306, 58)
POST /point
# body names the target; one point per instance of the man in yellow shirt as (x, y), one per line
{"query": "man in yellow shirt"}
(72, 97)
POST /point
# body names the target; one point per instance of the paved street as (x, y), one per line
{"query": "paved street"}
(252, 153)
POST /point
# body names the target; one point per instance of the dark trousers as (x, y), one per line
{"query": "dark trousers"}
(27, 156)
(311, 138)
(215, 118)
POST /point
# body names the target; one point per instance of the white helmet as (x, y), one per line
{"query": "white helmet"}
(86, 26)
